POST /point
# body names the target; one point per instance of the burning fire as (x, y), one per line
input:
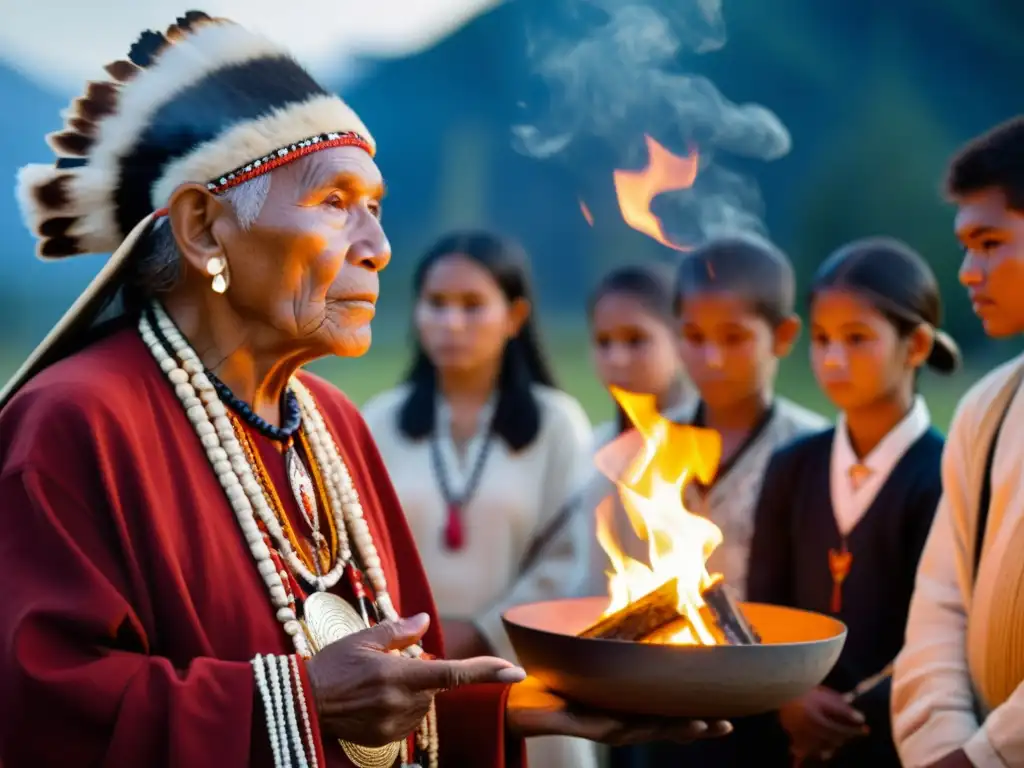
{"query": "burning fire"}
(651, 488)
(635, 190)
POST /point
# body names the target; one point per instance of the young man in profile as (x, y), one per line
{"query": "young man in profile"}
(958, 688)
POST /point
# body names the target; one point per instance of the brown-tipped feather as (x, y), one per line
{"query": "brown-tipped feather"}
(82, 125)
(104, 95)
(192, 19)
(55, 194)
(175, 33)
(189, 23)
(56, 227)
(88, 109)
(70, 143)
(58, 247)
(122, 71)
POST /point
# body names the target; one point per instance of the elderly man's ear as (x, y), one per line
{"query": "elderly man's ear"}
(201, 223)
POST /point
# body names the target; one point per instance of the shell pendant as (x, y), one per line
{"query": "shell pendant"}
(328, 619)
(305, 496)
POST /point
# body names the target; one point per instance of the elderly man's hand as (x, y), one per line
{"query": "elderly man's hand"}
(370, 697)
(533, 710)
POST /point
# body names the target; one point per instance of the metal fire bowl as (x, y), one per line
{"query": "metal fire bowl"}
(798, 650)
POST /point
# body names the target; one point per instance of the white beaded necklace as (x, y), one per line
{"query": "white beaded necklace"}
(209, 418)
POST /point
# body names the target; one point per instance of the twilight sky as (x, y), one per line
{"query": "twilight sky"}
(61, 43)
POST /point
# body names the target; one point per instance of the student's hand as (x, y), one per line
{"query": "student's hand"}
(956, 759)
(533, 710)
(819, 723)
(463, 640)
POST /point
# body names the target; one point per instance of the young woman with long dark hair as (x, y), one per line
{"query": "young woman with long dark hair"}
(487, 454)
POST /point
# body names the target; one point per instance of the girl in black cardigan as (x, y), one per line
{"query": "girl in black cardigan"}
(843, 515)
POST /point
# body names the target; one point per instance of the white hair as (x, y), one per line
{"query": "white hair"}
(247, 199)
(158, 269)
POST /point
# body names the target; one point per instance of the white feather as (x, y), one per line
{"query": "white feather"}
(179, 66)
(30, 178)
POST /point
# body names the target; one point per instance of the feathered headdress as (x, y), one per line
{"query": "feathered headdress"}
(206, 102)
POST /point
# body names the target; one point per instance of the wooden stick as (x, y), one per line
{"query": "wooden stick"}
(868, 684)
(727, 616)
(665, 634)
(640, 618)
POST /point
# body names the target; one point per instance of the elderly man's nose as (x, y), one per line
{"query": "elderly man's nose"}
(372, 249)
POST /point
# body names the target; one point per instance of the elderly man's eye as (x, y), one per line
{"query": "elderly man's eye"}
(375, 208)
(336, 200)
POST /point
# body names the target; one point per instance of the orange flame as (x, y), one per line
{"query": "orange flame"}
(650, 482)
(635, 190)
(586, 213)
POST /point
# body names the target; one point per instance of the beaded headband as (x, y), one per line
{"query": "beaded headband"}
(205, 96)
(283, 156)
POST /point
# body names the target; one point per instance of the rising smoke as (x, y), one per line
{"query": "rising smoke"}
(614, 70)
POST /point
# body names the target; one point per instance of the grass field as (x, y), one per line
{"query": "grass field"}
(383, 366)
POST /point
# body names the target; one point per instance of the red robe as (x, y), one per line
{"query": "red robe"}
(131, 606)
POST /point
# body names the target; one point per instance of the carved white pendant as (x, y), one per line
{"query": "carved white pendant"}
(302, 487)
(305, 496)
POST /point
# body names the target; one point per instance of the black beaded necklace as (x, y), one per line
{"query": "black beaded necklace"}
(299, 478)
(291, 415)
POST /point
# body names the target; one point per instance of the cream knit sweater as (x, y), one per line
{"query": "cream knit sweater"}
(959, 681)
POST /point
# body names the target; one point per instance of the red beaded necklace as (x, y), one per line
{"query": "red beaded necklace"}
(454, 530)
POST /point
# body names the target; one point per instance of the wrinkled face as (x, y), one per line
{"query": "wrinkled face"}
(633, 349)
(856, 353)
(462, 316)
(306, 270)
(728, 350)
(992, 271)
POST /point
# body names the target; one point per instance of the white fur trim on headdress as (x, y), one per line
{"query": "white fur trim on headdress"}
(245, 142)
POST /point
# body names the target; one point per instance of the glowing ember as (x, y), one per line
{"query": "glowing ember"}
(635, 190)
(650, 483)
(586, 213)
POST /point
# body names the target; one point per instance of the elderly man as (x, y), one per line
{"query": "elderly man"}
(204, 563)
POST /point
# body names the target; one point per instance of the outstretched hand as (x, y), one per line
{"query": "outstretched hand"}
(368, 696)
(533, 710)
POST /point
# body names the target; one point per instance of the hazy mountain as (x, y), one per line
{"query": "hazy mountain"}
(874, 108)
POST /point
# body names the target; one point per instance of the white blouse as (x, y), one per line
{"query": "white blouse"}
(518, 495)
(854, 483)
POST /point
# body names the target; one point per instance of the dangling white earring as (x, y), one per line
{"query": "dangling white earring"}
(217, 267)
